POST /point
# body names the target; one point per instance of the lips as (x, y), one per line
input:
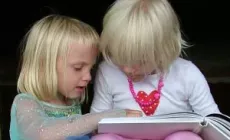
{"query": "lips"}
(136, 79)
(80, 88)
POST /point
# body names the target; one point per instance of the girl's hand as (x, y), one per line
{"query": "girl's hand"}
(133, 113)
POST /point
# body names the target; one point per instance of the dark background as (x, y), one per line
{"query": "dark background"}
(204, 23)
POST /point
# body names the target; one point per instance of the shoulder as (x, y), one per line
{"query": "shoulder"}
(181, 63)
(188, 71)
(107, 65)
(25, 99)
(21, 96)
(108, 69)
(184, 65)
(185, 69)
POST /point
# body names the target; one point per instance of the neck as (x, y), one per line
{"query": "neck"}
(57, 102)
(60, 101)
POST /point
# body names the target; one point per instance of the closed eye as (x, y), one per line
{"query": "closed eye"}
(78, 69)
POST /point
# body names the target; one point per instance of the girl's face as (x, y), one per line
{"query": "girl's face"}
(137, 72)
(74, 73)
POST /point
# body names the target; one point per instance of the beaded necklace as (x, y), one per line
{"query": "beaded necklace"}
(148, 103)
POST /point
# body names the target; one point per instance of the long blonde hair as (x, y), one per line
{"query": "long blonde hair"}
(47, 39)
(141, 31)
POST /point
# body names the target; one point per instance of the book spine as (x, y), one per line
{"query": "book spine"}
(204, 123)
(201, 125)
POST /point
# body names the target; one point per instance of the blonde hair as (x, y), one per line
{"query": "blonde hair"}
(47, 39)
(141, 31)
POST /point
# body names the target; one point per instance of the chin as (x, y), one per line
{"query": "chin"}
(137, 79)
(74, 95)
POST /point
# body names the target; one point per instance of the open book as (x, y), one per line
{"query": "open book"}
(211, 127)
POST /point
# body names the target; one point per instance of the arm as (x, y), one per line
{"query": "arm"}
(34, 124)
(102, 98)
(200, 97)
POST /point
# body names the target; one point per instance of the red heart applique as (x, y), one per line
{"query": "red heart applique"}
(152, 98)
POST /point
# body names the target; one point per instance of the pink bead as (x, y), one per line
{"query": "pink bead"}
(157, 96)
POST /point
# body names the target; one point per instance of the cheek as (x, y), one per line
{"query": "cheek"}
(67, 82)
(72, 78)
(127, 72)
(147, 70)
(126, 69)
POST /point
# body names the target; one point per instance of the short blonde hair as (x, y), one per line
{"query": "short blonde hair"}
(47, 39)
(141, 31)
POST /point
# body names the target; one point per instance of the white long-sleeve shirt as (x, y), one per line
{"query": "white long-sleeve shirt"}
(185, 90)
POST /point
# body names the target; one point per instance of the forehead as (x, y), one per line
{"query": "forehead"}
(130, 66)
(80, 53)
(137, 64)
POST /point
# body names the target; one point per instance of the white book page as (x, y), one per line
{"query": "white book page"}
(222, 122)
(225, 121)
(211, 132)
(172, 117)
(218, 123)
(140, 120)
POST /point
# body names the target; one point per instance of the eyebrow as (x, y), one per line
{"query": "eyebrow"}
(78, 63)
(82, 63)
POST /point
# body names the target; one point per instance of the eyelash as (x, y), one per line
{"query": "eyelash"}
(77, 69)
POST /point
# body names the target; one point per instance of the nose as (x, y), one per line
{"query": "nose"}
(87, 76)
(128, 70)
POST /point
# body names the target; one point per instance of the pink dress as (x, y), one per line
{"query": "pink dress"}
(182, 135)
